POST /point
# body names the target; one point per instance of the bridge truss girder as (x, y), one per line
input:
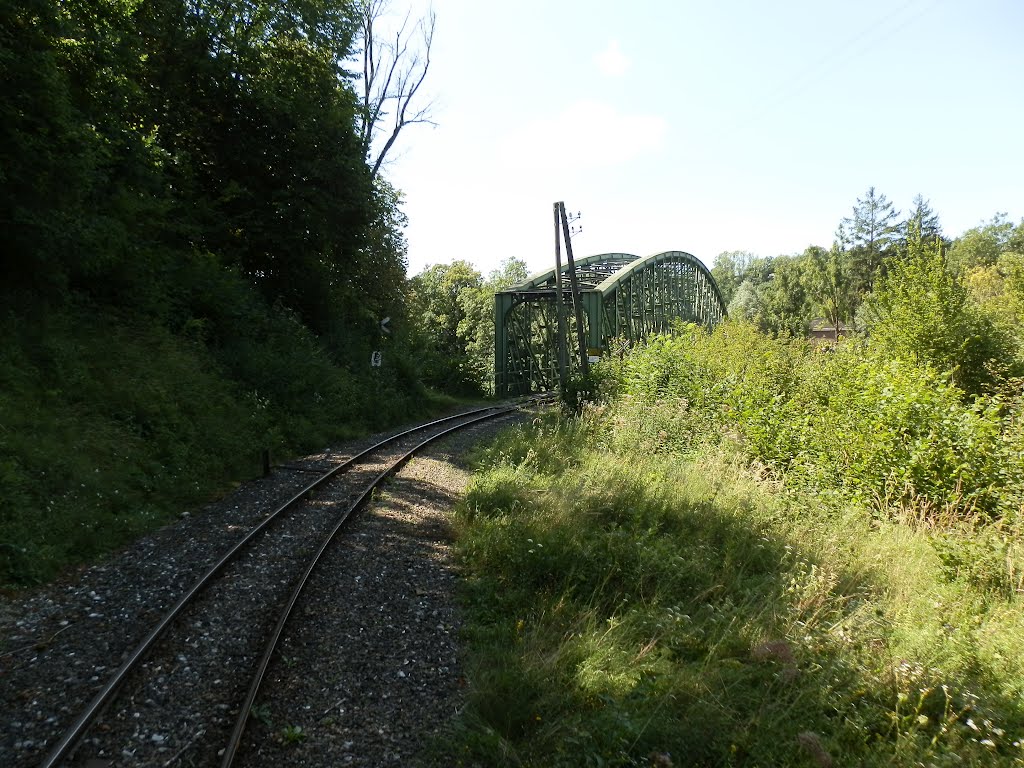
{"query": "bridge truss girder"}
(622, 296)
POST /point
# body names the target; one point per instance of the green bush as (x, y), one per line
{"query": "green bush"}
(111, 424)
(921, 311)
(849, 420)
(890, 430)
(622, 606)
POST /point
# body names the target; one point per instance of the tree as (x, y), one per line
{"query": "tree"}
(998, 287)
(774, 295)
(921, 311)
(982, 246)
(1015, 242)
(476, 329)
(829, 283)
(140, 138)
(393, 70)
(921, 219)
(730, 271)
(437, 311)
(453, 311)
(259, 128)
(378, 275)
(786, 306)
(870, 234)
(746, 302)
(47, 157)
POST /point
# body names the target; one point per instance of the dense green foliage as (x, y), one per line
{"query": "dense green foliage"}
(111, 427)
(196, 260)
(452, 308)
(788, 294)
(856, 420)
(921, 310)
(757, 550)
(141, 135)
(753, 552)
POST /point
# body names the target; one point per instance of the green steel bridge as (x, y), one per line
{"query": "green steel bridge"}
(622, 296)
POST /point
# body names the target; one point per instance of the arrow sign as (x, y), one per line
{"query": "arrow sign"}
(384, 325)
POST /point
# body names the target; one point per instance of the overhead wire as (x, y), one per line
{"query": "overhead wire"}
(841, 55)
(873, 34)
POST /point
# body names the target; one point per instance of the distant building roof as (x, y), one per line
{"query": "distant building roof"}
(821, 324)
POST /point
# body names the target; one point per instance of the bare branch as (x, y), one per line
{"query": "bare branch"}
(393, 72)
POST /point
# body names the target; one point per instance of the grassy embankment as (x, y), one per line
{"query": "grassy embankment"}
(111, 425)
(753, 554)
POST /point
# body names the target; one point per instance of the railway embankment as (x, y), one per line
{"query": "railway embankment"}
(112, 423)
(367, 668)
(752, 552)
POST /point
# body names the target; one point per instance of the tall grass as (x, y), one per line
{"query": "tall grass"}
(681, 576)
(848, 420)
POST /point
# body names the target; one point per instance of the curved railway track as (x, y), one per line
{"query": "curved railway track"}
(227, 626)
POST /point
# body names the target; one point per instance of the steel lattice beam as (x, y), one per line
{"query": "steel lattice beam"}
(623, 295)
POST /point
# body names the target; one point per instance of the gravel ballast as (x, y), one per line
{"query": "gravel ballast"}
(369, 668)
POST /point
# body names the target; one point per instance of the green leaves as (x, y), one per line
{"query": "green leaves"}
(922, 312)
(830, 283)
(858, 421)
(189, 172)
(453, 315)
(439, 297)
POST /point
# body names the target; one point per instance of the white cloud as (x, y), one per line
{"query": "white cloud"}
(586, 135)
(612, 61)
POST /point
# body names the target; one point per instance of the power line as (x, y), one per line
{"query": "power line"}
(839, 56)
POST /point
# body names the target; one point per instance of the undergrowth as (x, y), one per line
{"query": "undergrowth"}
(688, 575)
(848, 420)
(111, 425)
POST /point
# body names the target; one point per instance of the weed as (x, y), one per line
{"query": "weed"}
(261, 713)
(624, 603)
(112, 424)
(293, 734)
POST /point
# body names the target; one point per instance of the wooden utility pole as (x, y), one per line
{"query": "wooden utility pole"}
(563, 357)
(577, 299)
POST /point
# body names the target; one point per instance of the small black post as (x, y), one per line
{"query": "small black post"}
(265, 455)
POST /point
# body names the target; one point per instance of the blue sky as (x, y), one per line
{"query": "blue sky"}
(707, 126)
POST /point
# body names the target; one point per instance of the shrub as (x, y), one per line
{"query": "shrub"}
(851, 420)
(111, 423)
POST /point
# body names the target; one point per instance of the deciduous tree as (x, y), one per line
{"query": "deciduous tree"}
(395, 64)
(730, 270)
(982, 246)
(830, 285)
(774, 295)
(921, 311)
(437, 312)
(786, 301)
(476, 329)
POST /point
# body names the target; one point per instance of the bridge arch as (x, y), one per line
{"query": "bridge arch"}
(590, 271)
(622, 295)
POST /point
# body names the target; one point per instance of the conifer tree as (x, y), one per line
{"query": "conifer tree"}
(923, 219)
(871, 232)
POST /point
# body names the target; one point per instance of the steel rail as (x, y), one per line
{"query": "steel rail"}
(234, 743)
(70, 738)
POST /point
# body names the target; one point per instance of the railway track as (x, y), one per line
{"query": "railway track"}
(226, 628)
